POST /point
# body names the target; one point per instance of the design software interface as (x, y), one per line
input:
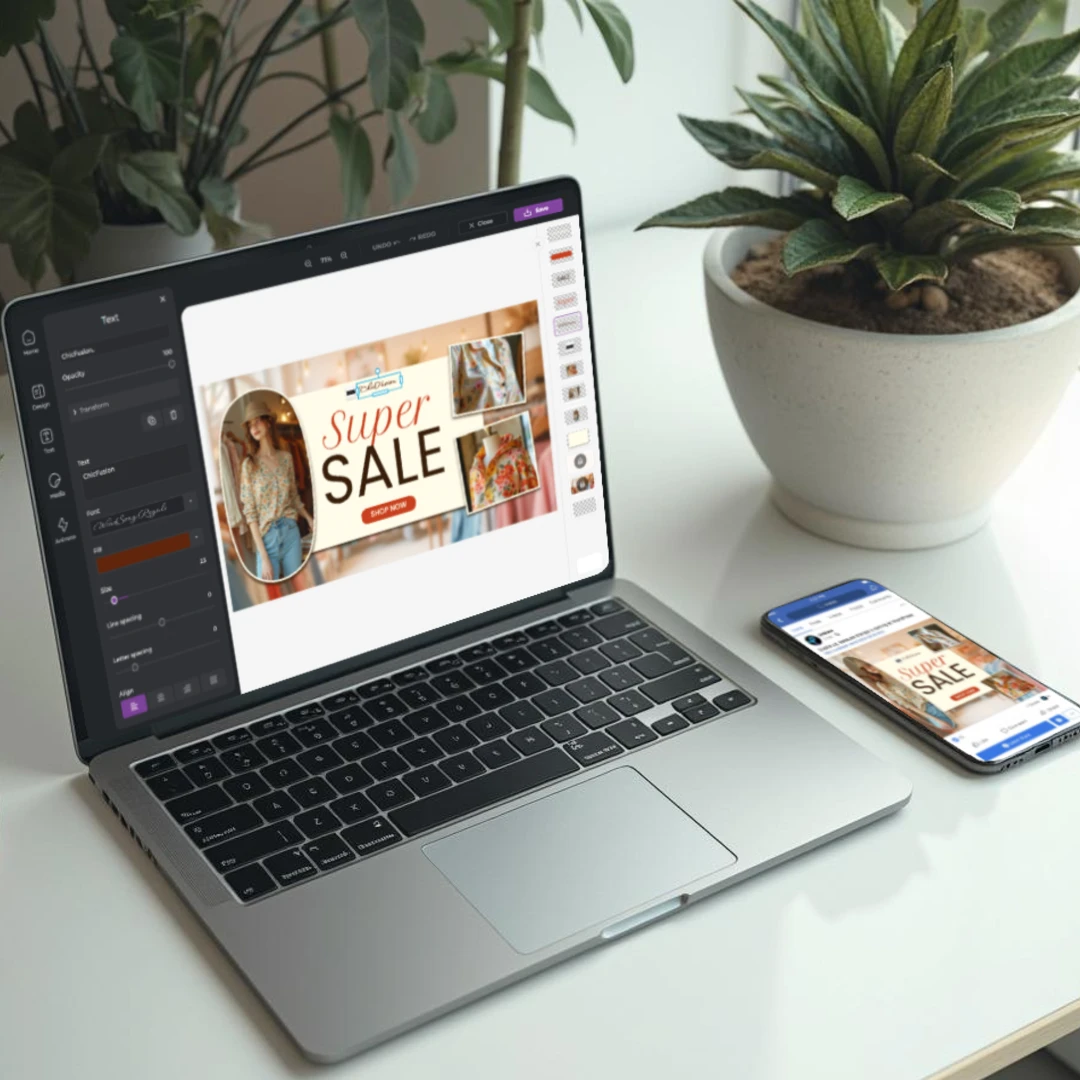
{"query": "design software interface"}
(251, 468)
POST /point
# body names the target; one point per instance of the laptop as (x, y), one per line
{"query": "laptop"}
(327, 533)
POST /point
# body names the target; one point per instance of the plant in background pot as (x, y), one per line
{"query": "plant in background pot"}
(897, 331)
(148, 136)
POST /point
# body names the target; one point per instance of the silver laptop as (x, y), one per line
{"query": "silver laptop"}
(325, 525)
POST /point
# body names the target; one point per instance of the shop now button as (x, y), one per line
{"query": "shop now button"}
(388, 509)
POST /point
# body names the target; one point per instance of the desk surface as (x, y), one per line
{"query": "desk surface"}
(895, 953)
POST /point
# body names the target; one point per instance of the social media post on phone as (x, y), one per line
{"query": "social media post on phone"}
(930, 672)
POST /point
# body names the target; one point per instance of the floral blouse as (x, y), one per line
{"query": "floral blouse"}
(510, 472)
(268, 491)
(485, 376)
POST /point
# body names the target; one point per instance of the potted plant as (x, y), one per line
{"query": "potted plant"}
(897, 331)
(134, 158)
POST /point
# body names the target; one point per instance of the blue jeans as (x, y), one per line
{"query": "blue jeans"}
(282, 541)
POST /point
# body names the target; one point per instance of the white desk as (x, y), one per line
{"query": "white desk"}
(890, 955)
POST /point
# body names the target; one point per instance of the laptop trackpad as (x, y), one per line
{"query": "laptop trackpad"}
(578, 858)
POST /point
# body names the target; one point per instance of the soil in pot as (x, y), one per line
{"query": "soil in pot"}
(1000, 288)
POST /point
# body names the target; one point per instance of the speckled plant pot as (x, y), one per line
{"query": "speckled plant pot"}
(886, 440)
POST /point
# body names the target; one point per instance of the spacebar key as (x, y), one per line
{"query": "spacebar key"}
(484, 791)
(678, 683)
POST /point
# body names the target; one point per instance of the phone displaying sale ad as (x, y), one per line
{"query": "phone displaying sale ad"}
(933, 674)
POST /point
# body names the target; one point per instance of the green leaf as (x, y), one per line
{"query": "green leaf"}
(862, 133)
(219, 195)
(43, 218)
(615, 30)
(35, 144)
(817, 243)
(973, 37)
(153, 177)
(1009, 23)
(854, 198)
(1039, 60)
(734, 144)
(146, 67)
(1041, 173)
(19, 21)
(399, 161)
(802, 132)
(394, 32)
(895, 35)
(823, 32)
(809, 65)
(862, 36)
(575, 7)
(357, 161)
(919, 166)
(1037, 225)
(733, 206)
(539, 95)
(78, 159)
(1027, 116)
(937, 23)
(923, 122)
(438, 115)
(1008, 146)
(204, 43)
(898, 269)
(926, 228)
(500, 17)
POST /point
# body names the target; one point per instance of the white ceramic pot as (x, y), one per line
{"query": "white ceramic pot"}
(119, 249)
(886, 440)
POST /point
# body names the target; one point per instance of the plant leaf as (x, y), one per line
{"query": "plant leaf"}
(862, 36)
(862, 133)
(898, 269)
(220, 204)
(539, 95)
(809, 65)
(824, 33)
(35, 144)
(78, 159)
(1038, 60)
(926, 228)
(357, 162)
(204, 43)
(146, 67)
(803, 132)
(1006, 26)
(1025, 117)
(1036, 225)
(854, 198)
(1041, 173)
(734, 144)
(575, 7)
(19, 21)
(733, 206)
(817, 243)
(43, 218)
(219, 195)
(940, 21)
(500, 17)
(973, 37)
(153, 177)
(394, 32)
(399, 161)
(895, 35)
(923, 122)
(438, 116)
(615, 30)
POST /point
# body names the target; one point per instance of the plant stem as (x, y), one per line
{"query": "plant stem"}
(33, 79)
(179, 110)
(247, 163)
(61, 78)
(236, 174)
(220, 147)
(328, 48)
(84, 37)
(513, 114)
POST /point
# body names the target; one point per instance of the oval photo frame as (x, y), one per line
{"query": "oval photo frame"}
(290, 548)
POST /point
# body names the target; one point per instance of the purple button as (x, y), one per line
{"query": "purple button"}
(133, 706)
(540, 209)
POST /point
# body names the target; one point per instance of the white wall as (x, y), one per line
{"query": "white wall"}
(632, 155)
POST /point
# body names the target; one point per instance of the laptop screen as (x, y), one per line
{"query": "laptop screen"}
(252, 471)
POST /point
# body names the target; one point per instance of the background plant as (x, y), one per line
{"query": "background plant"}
(154, 130)
(915, 149)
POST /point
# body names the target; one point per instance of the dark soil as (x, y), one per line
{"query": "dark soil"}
(1000, 288)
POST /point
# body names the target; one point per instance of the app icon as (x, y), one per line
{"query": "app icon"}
(46, 436)
(37, 391)
(54, 480)
(29, 338)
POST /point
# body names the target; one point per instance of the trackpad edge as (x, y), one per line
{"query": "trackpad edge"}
(579, 857)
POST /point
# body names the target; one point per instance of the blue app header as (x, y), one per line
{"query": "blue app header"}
(848, 593)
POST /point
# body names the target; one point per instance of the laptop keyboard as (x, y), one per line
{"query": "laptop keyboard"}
(286, 798)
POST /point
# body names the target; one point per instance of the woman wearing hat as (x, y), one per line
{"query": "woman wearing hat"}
(268, 495)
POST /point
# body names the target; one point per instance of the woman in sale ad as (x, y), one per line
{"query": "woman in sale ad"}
(269, 498)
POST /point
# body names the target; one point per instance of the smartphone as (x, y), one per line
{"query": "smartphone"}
(966, 701)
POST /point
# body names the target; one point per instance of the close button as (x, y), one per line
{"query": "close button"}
(482, 224)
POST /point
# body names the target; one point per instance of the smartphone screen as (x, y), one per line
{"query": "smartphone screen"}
(921, 666)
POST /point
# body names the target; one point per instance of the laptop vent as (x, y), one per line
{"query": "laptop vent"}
(584, 506)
